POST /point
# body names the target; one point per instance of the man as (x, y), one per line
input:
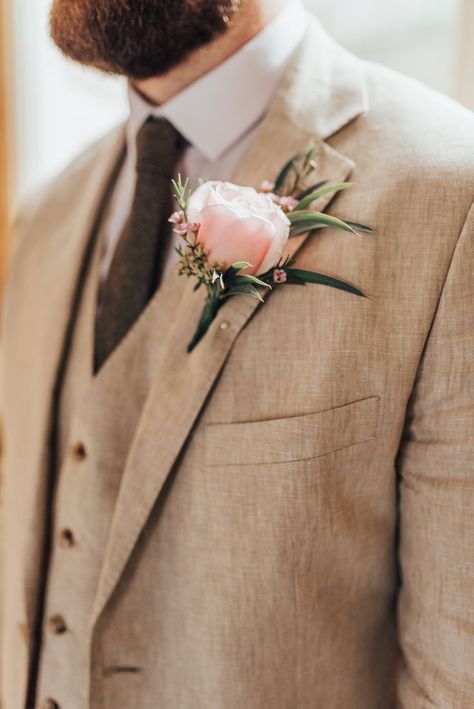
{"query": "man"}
(282, 518)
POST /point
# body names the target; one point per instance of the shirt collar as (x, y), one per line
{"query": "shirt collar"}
(220, 107)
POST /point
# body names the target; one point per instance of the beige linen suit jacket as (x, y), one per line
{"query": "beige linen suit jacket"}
(294, 527)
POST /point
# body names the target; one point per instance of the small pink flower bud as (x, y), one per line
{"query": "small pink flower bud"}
(181, 229)
(279, 275)
(267, 186)
(287, 203)
(177, 218)
(194, 227)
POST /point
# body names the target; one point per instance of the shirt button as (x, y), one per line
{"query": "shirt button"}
(57, 624)
(224, 325)
(49, 704)
(79, 452)
(66, 538)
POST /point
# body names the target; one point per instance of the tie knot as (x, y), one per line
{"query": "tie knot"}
(159, 146)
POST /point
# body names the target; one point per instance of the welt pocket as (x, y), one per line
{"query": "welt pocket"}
(293, 438)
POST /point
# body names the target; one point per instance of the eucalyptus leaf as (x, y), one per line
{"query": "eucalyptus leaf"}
(285, 171)
(317, 194)
(293, 279)
(243, 289)
(232, 272)
(198, 284)
(239, 265)
(361, 227)
(302, 229)
(252, 279)
(308, 191)
(309, 220)
(325, 280)
(266, 278)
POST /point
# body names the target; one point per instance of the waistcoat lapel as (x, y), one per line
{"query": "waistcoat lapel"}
(322, 91)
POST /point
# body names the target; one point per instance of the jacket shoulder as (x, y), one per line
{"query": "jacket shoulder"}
(56, 194)
(422, 130)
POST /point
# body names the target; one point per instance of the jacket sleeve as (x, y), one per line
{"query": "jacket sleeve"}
(436, 483)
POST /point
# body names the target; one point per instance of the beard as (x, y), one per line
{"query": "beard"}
(137, 38)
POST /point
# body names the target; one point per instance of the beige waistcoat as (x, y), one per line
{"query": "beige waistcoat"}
(82, 503)
(293, 522)
(63, 660)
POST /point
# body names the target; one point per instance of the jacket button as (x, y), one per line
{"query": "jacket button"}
(57, 624)
(79, 452)
(66, 538)
(49, 704)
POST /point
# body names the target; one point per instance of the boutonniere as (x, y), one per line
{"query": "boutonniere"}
(233, 237)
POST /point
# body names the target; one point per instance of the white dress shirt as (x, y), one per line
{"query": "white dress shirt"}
(218, 114)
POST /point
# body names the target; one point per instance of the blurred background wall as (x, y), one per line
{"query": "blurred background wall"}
(4, 162)
(56, 108)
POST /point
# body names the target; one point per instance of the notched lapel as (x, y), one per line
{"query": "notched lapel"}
(183, 380)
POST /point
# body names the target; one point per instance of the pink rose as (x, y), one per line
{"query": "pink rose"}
(239, 224)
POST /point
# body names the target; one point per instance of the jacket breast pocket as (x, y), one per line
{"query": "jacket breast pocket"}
(295, 438)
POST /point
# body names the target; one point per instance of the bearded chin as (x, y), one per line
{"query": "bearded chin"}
(138, 38)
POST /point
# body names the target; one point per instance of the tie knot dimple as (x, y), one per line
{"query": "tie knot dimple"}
(159, 146)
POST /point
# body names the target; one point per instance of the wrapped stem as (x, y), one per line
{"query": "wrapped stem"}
(208, 314)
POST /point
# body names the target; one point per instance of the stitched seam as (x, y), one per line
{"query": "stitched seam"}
(210, 424)
(291, 460)
(441, 294)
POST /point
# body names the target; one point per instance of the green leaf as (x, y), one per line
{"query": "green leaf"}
(232, 272)
(208, 314)
(313, 196)
(361, 227)
(285, 171)
(302, 229)
(308, 191)
(325, 280)
(181, 192)
(293, 279)
(252, 279)
(239, 265)
(309, 220)
(243, 289)
(266, 279)
(198, 284)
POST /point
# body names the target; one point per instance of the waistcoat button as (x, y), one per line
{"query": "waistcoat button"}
(66, 538)
(49, 704)
(57, 624)
(78, 451)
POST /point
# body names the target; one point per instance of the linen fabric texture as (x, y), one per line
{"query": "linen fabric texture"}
(286, 513)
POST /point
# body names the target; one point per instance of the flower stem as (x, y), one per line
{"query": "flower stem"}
(207, 316)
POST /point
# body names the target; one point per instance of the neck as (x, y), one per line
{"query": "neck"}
(253, 16)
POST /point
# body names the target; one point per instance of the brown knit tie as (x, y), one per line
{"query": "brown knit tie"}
(137, 266)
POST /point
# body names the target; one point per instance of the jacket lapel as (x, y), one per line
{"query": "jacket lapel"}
(63, 253)
(321, 92)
